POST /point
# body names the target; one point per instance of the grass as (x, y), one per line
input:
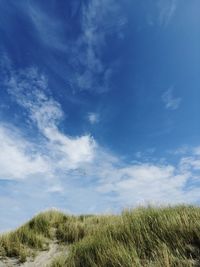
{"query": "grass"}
(34, 235)
(143, 237)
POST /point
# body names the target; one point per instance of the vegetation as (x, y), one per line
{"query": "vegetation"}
(33, 236)
(141, 237)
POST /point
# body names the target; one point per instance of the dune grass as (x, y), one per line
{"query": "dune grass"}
(143, 237)
(34, 235)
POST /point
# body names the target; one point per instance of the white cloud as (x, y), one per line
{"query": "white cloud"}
(71, 152)
(93, 118)
(197, 150)
(55, 189)
(182, 150)
(190, 163)
(30, 90)
(150, 183)
(17, 160)
(171, 102)
(62, 164)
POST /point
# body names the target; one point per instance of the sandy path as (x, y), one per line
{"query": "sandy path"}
(8, 263)
(43, 259)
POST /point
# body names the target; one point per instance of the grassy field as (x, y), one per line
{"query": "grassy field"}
(151, 237)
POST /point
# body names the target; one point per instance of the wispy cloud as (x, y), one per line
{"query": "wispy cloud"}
(163, 13)
(30, 90)
(85, 67)
(167, 9)
(48, 27)
(171, 102)
(78, 167)
(82, 157)
(99, 19)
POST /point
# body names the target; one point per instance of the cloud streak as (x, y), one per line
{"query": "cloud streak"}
(85, 67)
(99, 19)
(171, 102)
(163, 13)
(167, 9)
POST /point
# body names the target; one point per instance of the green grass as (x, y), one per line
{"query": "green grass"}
(143, 237)
(34, 235)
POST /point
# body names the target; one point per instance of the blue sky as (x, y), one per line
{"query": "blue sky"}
(99, 105)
